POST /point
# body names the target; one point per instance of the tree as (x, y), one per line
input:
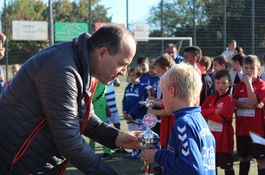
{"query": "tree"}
(179, 19)
(67, 11)
(64, 11)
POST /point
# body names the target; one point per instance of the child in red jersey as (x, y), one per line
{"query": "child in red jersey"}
(218, 110)
(249, 94)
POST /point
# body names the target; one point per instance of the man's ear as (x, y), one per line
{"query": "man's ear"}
(101, 52)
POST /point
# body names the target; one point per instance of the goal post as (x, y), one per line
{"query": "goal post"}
(153, 47)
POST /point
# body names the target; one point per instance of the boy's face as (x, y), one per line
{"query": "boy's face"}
(132, 77)
(252, 70)
(222, 85)
(144, 67)
(235, 65)
(189, 58)
(172, 51)
(160, 71)
(152, 71)
(218, 66)
(167, 99)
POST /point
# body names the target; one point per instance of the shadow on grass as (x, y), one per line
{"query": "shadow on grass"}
(119, 162)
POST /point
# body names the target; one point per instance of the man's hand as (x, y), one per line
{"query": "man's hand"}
(148, 155)
(127, 141)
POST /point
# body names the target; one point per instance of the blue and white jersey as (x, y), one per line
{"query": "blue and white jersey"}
(147, 80)
(110, 96)
(130, 103)
(178, 59)
(191, 148)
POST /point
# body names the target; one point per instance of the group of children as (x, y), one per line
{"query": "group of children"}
(196, 140)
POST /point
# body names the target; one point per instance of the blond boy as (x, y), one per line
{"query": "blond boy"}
(191, 147)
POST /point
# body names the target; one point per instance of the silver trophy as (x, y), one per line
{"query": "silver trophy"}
(148, 138)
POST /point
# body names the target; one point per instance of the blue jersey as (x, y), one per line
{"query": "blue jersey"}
(147, 80)
(191, 148)
(130, 103)
(178, 59)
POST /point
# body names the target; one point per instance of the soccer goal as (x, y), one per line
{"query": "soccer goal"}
(153, 47)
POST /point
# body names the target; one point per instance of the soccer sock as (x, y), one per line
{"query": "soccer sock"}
(229, 172)
(244, 168)
(261, 171)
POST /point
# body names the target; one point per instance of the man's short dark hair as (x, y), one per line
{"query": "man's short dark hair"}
(238, 58)
(194, 51)
(222, 73)
(109, 36)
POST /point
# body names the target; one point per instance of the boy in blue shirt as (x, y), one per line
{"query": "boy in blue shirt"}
(191, 147)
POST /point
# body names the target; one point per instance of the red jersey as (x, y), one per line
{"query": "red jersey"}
(249, 119)
(165, 129)
(220, 123)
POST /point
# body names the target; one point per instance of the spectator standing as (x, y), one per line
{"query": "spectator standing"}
(192, 56)
(237, 64)
(230, 50)
(172, 50)
(262, 76)
(205, 64)
(100, 108)
(112, 110)
(218, 111)
(2, 55)
(133, 112)
(250, 96)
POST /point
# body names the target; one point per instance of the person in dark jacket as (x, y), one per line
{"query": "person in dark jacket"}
(51, 86)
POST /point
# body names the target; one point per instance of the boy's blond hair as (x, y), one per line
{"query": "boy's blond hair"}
(186, 81)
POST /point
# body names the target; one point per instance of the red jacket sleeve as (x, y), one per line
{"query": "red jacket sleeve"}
(226, 112)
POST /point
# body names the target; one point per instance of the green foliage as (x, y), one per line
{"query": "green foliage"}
(63, 11)
(178, 20)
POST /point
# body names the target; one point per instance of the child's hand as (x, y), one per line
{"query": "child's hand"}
(247, 79)
(260, 105)
(148, 155)
(151, 111)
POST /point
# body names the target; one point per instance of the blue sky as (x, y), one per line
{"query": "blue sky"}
(138, 9)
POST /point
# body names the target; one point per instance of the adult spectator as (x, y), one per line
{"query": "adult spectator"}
(230, 50)
(50, 87)
(2, 54)
(172, 50)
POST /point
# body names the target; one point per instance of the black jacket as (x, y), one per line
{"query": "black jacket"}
(51, 84)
